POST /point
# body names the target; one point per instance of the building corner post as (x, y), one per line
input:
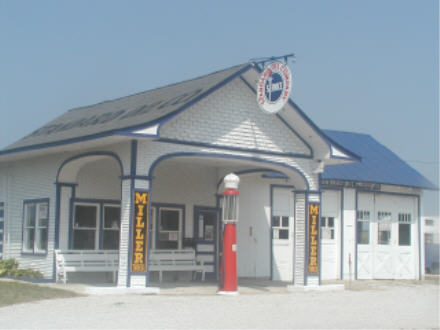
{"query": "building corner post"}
(135, 224)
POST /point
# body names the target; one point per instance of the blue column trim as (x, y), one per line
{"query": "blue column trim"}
(133, 161)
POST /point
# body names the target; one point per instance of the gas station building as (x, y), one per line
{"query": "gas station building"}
(143, 175)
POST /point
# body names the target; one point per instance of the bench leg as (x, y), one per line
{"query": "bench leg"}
(160, 276)
(203, 276)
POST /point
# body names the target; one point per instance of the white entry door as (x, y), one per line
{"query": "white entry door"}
(330, 235)
(282, 234)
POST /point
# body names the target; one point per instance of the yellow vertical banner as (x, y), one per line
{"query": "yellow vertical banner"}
(313, 231)
(141, 214)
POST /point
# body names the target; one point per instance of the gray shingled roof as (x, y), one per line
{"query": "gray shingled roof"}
(128, 112)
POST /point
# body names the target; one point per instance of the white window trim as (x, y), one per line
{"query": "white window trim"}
(364, 216)
(104, 229)
(276, 229)
(326, 226)
(2, 230)
(404, 219)
(36, 227)
(385, 218)
(96, 228)
(153, 227)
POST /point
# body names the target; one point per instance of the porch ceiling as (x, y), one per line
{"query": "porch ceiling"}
(240, 167)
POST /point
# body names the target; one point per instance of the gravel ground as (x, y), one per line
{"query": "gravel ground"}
(369, 304)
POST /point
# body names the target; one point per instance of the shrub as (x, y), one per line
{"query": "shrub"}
(9, 267)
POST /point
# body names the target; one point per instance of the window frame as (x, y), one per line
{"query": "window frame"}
(2, 228)
(384, 217)
(99, 229)
(404, 219)
(111, 229)
(153, 213)
(428, 238)
(361, 217)
(327, 226)
(280, 227)
(429, 222)
(95, 229)
(180, 233)
(34, 250)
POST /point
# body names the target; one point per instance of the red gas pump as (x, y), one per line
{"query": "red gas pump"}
(229, 217)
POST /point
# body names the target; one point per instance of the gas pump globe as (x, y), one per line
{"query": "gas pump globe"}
(230, 218)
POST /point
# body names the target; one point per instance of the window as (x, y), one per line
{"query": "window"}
(35, 226)
(206, 222)
(85, 224)
(429, 238)
(404, 229)
(280, 227)
(328, 228)
(384, 227)
(2, 228)
(153, 227)
(96, 224)
(363, 227)
(429, 222)
(112, 222)
(170, 222)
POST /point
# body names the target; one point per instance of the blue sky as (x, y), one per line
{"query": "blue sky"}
(363, 66)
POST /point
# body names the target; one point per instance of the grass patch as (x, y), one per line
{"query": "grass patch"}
(12, 292)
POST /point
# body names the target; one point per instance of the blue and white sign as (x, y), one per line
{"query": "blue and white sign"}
(274, 87)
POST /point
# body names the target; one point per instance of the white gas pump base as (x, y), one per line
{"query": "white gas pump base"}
(228, 293)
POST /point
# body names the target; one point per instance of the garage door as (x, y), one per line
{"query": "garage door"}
(387, 236)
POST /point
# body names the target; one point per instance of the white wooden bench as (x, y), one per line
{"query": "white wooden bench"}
(175, 261)
(85, 261)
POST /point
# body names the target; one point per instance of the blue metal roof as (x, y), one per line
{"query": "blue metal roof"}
(378, 164)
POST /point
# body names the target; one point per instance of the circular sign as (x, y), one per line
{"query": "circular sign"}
(274, 86)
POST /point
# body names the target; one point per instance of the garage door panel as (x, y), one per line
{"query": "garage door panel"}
(364, 265)
(383, 265)
(405, 266)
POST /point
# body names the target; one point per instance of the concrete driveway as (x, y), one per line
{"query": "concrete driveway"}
(369, 304)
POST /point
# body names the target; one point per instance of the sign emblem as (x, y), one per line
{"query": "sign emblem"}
(313, 229)
(140, 232)
(274, 87)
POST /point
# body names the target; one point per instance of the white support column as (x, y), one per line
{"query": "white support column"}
(136, 199)
(300, 241)
(126, 277)
(124, 234)
(349, 248)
